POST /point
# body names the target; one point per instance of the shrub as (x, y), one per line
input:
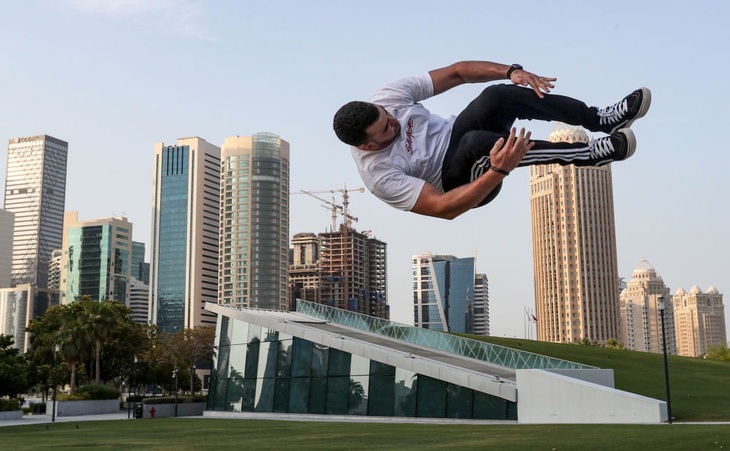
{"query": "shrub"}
(94, 392)
(9, 404)
(38, 408)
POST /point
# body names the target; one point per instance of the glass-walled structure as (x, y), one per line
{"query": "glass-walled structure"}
(183, 272)
(443, 292)
(95, 258)
(324, 360)
(254, 222)
(263, 370)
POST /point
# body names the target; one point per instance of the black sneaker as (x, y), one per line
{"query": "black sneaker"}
(619, 146)
(624, 113)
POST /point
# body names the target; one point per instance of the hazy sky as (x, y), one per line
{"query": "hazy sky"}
(114, 77)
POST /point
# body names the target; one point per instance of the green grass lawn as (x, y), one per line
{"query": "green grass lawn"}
(700, 392)
(700, 388)
(184, 433)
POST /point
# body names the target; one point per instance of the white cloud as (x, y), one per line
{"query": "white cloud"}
(182, 16)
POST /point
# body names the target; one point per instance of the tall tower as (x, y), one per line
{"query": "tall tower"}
(304, 269)
(443, 292)
(639, 314)
(35, 190)
(96, 259)
(7, 225)
(54, 270)
(184, 244)
(254, 222)
(699, 320)
(140, 268)
(574, 249)
(481, 305)
(354, 272)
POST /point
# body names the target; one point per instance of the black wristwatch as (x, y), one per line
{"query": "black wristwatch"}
(513, 68)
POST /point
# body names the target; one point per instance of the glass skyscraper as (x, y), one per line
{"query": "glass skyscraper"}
(96, 259)
(443, 293)
(254, 221)
(184, 247)
(35, 190)
(140, 269)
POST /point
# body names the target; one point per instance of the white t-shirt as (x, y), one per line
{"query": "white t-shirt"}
(397, 173)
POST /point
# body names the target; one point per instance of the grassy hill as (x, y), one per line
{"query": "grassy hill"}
(699, 388)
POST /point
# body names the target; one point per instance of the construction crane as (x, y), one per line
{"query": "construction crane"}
(342, 209)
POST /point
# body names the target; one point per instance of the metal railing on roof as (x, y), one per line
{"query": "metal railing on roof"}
(466, 347)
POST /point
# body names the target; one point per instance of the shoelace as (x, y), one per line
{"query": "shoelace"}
(602, 148)
(614, 113)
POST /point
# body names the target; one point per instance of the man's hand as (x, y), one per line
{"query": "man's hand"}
(538, 83)
(507, 154)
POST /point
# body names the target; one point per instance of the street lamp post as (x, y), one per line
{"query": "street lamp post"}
(174, 374)
(129, 392)
(56, 349)
(134, 381)
(661, 308)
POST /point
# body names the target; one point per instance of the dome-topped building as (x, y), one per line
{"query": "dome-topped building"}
(574, 248)
(700, 320)
(639, 314)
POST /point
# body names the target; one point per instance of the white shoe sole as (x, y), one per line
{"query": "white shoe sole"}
(630, 141)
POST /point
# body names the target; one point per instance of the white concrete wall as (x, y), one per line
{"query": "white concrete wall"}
(10, 415)
(545, 397)
(187, 409)
(85, 407)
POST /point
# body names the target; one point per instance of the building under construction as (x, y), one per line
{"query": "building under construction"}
(341, 268)
(346, 269)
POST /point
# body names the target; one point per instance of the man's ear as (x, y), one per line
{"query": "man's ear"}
(367, 146)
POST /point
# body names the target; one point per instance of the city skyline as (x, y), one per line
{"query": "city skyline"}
(152, 73)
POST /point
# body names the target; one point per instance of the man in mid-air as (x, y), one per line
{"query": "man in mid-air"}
(420, 162)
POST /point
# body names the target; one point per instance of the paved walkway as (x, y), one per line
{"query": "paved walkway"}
(39, 419)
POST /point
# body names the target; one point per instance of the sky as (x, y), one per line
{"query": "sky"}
(114, 77)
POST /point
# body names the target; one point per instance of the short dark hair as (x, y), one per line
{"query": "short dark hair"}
(352, 120)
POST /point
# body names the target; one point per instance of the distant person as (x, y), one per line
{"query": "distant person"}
(420, 162)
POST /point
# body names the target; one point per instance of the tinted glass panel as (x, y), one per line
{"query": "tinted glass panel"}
(299, 395)
(405, 393)
(431, 397)
(338, 390)
(458, 401)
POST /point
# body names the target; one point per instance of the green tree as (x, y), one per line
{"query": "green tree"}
(41, 356)
(188, 347)
(13, 369)
(74, 344)
(102, 332)
(102, 318)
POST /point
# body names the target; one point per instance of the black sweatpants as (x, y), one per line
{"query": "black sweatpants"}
(491, 115)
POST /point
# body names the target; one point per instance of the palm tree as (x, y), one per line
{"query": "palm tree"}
(73, 344)
(100, 322)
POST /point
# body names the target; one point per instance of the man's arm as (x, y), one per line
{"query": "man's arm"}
(505, 155)
(483, 71)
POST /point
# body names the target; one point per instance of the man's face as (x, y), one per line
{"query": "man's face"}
(382, 132)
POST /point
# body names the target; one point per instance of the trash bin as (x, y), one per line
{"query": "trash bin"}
(138, 411)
